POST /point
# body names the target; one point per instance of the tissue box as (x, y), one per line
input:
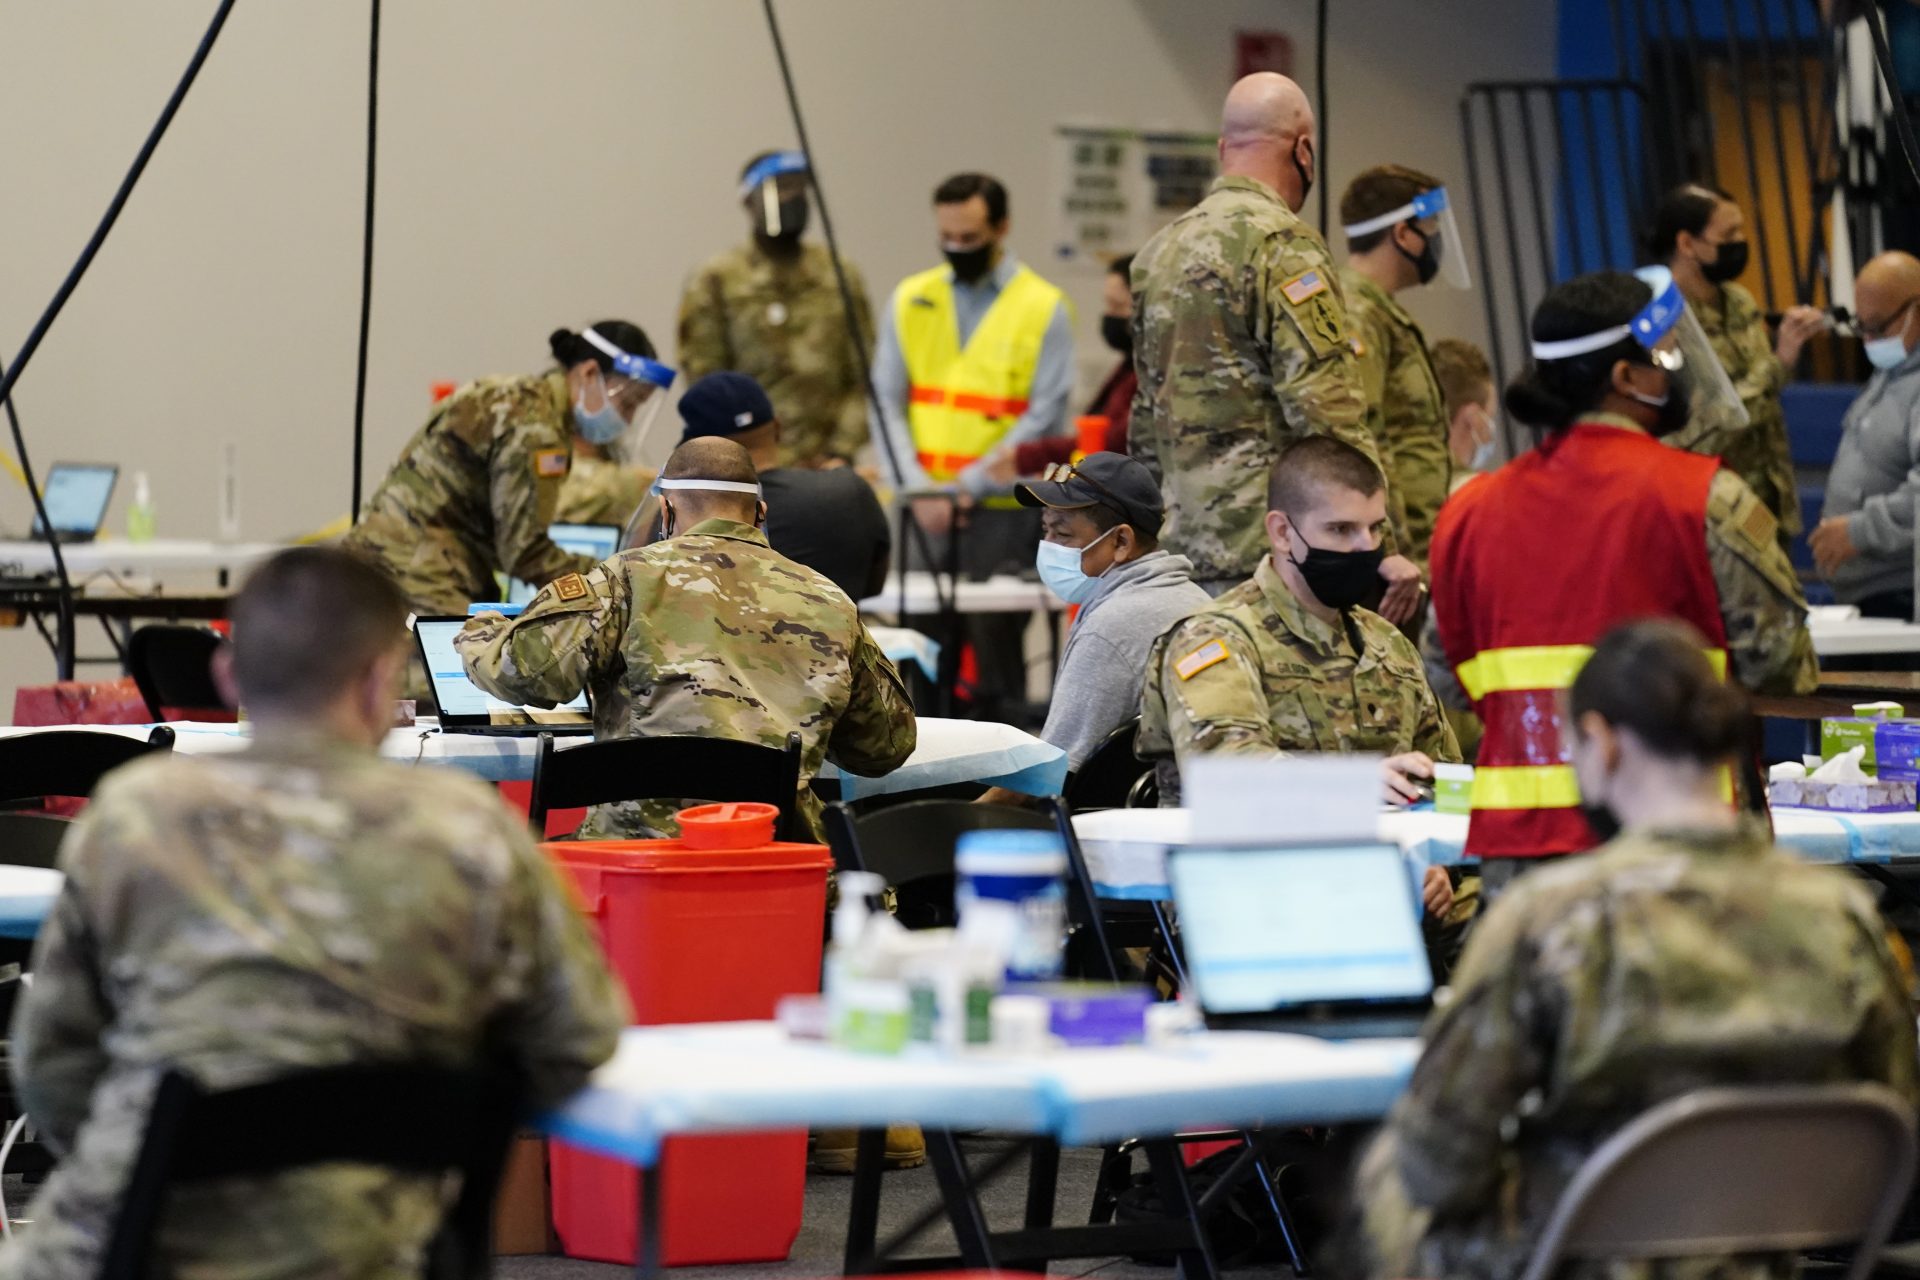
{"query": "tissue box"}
(1896, 750)
(1453, 788)
(1841, 734)
(1877, 796)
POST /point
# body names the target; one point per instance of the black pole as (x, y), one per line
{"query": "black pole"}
(1569, 217)
(1530, 142)
(366, 262)
(1323, 113)
(64, 659)
(1475, 189)
(1897, 109)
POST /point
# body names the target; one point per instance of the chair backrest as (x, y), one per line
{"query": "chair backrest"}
(698, 770)
(1744, 1170)
(402, 1116)
(31, 839)
(1108, 776)
(173, 667)
(911, 847)
(68, 762)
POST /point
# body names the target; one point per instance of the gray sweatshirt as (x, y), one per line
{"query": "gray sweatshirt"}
(1105, 662)
(1875, 477)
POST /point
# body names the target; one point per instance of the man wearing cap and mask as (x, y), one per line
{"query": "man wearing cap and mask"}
(1100, 550)
(1401, 234)
(771, 308)
(710, 633)
(1864, 542)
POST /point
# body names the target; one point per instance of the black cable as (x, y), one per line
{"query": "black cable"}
(64, 659)
(1321, 115)
(366, 263)
(1897, 105)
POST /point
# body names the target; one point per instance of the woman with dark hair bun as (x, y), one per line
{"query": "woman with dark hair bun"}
(1686, 953)
(1598, 525)
(1701, 234)
(475, 489)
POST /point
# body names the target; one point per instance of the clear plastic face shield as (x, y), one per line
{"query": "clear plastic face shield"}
(775, 193)
(1431, 214)
(636, 388)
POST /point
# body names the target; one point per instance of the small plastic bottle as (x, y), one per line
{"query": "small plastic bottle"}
(140, 510)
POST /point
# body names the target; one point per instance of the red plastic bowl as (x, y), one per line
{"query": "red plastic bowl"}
(728, 826)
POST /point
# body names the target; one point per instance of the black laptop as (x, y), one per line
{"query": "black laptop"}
(1319, 939)
(467, 708)
(76, 496)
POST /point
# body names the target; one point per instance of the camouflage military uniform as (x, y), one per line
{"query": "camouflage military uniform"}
(1597, 988)
(1241, 344)
(298, 904)
(780, 321)
(1406, 411)
(1760, 451)
(1257, 673)
(473, 493)
(711, 634)
(599, 491)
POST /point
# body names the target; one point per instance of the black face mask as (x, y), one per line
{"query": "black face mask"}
(1674, 413)
(1339, 579)
(1601, 819)
(1427, 261)
(1727, 264)
(1117, 331)
(970, 264)
(793, 221)
(1306, 178)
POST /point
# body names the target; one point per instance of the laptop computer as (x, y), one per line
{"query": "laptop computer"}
(76, 495)
(1319, 939)
(599, 541)
(467, 708)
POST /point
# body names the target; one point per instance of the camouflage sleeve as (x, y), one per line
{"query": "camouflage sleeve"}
(1760, 598)
(1763, 375)
(1432, 731)
(877, 732)
(1215, 700)
(550, 652)
(57, 1054)
(703, 328)
(850, 425)
(563, 1015)
(528, 469)
(1372, 344)
(1885, 1049)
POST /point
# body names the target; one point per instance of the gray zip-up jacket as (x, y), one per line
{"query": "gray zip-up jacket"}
(1875, 478)
(1104, 664)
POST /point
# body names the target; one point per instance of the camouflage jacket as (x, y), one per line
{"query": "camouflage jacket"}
(473, 494)
(1598, 988)
(780, 321)
(709, 634)
(1257, 674)
(599, 491)
(1241, 344)
(1759, 452)
(298, 904)
(1406, 412)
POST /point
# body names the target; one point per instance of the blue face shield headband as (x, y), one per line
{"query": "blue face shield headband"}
(772, 167)
(628, 365)
(1431, 208)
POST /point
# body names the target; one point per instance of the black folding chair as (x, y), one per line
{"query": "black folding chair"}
(402, 1116)
(68, 762)
(1108, 777)
(699, 770)
(173, 667)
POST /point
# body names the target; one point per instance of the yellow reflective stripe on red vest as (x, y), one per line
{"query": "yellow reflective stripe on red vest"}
(1548, 666)
(1533, 786)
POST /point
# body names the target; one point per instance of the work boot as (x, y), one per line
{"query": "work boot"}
(836, 1150)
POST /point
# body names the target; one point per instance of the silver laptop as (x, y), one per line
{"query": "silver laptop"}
(76, 495)
(1321, 939)
(599, 541)
(467, 708)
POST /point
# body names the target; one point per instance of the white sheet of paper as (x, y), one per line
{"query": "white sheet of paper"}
(1241, 799)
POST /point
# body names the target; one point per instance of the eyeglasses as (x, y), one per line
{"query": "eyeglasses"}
(1885, 327)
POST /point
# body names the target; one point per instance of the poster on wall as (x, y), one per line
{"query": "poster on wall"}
(1115, 187)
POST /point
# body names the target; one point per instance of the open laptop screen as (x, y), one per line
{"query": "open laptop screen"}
(76, 495)
(461, 699)
(598, 541)
(1267, 929)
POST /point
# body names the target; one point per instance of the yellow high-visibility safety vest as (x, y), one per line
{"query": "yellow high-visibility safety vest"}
(964, 400)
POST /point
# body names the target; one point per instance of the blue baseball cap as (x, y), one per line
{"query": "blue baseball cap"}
(723, 404)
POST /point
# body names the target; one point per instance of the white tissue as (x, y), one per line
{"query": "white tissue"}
(1844, 767)
(1787, 771)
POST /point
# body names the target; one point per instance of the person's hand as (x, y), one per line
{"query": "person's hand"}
(1402, 577)
(1796, 326)
(830, 464)
(1000, 466)
(1436, 891)
(1832, 544)
(1400, 773)
(934, 514)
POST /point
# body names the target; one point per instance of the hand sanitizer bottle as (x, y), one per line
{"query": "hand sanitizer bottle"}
(140, 510)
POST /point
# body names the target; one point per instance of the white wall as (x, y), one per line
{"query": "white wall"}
(545, 164)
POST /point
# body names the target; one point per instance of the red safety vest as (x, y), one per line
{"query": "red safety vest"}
(1532, 564)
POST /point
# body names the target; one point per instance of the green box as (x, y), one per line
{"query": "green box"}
(1841, 734)
(1453, 788)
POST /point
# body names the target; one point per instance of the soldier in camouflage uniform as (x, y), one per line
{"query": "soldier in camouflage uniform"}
(601, 491)
(1687, 953)
(297, 904)
(771, 309)
(475, 489)
(710, 633)
(1406, 410)
(1241, 344)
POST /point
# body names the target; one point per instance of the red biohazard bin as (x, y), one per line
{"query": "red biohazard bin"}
(697, 935)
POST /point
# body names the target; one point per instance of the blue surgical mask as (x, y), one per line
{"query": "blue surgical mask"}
(1060, 570)
(1483, 458)
(1888, 352)
(604, 425)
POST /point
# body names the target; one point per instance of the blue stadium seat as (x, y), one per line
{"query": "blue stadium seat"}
(1814, 411)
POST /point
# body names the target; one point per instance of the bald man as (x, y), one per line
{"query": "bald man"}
(709, 633)
(1241, 345)
(1864, 543)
